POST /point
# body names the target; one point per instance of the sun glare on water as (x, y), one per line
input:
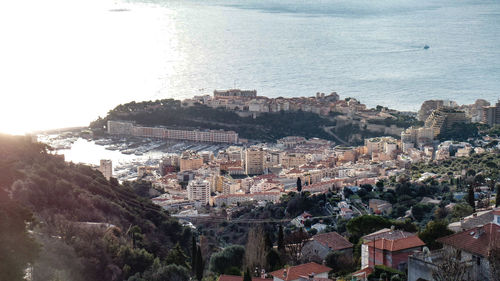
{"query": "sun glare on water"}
(65, 62)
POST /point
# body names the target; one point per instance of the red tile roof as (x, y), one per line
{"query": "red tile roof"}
(238, 278)
(363, 273)
(294, 272)
(496, 212)
(477, 240)
(397, 244)
(332, 240)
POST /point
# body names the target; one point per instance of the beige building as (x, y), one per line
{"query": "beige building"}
(444, 118)
(106, 168)
(254, 161)
(190, 160)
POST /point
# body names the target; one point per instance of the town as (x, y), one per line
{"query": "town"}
(400, 206)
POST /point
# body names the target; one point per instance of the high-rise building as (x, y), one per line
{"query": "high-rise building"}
(491, 114)
(254, 161)
(199, 190)
(106, 168)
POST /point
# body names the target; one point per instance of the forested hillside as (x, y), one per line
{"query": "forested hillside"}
(67, 222)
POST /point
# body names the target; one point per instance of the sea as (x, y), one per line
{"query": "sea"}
(65, 62)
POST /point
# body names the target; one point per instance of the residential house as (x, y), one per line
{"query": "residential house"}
(299, 272)
(380, 206)
(471, 247)
(389, 247)
(299, 220)
(321, 244)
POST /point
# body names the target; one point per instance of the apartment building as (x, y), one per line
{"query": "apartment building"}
(128, 128)
(254, 161)
(199, 190)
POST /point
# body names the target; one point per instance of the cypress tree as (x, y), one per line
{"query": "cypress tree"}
(268, 242)
(470, 198)
(281, 240)
(199, 264)
(299, 184)
(193, 254)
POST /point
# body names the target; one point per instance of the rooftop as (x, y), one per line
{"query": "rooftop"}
(332, 240)
(294, 272)
(476, 240)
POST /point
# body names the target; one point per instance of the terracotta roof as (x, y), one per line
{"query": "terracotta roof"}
(496, 212)
(476, 240)
(388, 234)
(363, 273)
(332, 240)
(238, 278)
(294, 272)
(397, 244)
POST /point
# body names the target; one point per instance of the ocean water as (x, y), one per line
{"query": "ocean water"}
(70, 61)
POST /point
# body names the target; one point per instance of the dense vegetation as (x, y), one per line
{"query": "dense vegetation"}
(460, 132)
(485, 164)
(82, 226)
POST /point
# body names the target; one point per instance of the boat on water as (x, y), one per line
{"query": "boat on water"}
(128, 151)
(426, 47)
(112, 147)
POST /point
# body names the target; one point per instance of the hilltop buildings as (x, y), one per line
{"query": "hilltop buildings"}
(444, 118)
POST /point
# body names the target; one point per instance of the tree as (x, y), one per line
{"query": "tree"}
(177, 256)
(229, 257)
(339, 263)
(281, 242)
(193, 254)
(161, 272)
(273, 260)
(419, 211)
(299, 184)
(17, 246)
(255, 255)
(461, 210)
(294, 243)
(380, 185)
(451, 267)
(247, 276)
(199, 264)
(363, 225)
(433, 231)
(470, 198)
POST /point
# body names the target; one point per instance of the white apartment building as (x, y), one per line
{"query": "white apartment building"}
(199, 190)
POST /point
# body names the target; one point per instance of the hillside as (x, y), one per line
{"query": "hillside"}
(265, 127)
(70, 223)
